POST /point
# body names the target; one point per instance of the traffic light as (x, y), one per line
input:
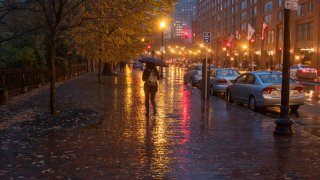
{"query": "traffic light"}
(149, 47)
(185, 35)
(251, 42)
(228, 45)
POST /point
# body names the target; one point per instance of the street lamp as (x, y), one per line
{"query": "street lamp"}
(244, 60)
(162, 27)
(226, 57)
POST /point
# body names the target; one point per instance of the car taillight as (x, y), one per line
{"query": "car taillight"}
(303, 70)
(222, 81)
(299, 89)
(268, 90)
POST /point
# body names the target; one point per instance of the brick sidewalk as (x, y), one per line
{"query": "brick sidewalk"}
(188, 139)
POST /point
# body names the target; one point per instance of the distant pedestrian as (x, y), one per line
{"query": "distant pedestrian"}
(122, 65)
(150, 77)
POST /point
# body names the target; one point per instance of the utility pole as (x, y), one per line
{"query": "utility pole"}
(206, 40)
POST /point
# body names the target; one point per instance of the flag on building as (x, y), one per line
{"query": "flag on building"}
(250, 31)
(230, 38)
(265, 28)
(238, 35)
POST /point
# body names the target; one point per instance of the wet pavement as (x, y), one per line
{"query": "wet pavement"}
(101, 132)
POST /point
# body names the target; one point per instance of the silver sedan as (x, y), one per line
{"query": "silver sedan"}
(263, 89)
(221, 78)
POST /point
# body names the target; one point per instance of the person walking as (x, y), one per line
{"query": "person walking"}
(150, 76)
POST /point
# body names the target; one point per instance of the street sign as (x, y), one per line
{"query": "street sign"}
(162, 49)
(291, 4)
(206, 37)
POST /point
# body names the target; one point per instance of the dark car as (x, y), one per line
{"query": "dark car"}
(137, 65)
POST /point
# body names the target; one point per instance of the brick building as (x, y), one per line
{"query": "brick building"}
(225, 17)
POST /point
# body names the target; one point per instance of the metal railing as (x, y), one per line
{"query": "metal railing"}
(17, 81)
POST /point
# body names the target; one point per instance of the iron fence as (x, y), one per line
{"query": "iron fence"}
(17, 81)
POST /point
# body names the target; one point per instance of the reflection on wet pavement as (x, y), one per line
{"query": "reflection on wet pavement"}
(188, 139)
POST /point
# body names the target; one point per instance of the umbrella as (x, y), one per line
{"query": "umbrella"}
(157, 62)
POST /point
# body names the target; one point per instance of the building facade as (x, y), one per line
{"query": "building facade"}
(224, 18)
(184, 14)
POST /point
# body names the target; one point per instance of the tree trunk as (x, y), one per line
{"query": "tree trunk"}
(107, 69)
(100, 70)
(53, 90)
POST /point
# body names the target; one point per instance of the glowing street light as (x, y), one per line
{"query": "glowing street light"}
(162, 24)
(162, 27)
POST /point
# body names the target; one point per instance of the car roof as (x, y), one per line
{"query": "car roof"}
(225, 69)
(264, 72)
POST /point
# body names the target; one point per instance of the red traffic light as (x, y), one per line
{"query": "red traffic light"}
(228, 44)
(185, 35)
(149, 47)
(252, 40)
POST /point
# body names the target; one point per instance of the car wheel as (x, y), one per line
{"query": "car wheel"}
(252, 103)
(229, 97)
(294, 107)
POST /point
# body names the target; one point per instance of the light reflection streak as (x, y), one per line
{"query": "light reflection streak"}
(128, 95)
(185, 116)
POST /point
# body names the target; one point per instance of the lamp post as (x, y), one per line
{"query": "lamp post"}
(162, 26)
(226, 60)
(284, 122)
(251, 45)
(244, 60)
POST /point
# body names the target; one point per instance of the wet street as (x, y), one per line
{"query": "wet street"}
(102, 132)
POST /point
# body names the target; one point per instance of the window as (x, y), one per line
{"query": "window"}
(244, 5)
(253, 2)
(241, 79)
(270, 38)
(280, 15)
(268, 6)
(253, 11)
(243, 15)
(227, 72)
(267, 18)
(280, 3)
(243, 26)
(305, 8)
(250, 79)
(304, 32)
(271, 78)
(233, 19)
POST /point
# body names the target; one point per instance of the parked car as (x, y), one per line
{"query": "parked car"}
(137, 65)
(221, 78)
(263, 89)
(303, 71)
(193, 74)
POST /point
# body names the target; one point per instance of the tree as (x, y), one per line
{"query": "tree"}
(117, 28)
(60, 16)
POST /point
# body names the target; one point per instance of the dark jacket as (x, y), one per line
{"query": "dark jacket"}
(146, 74)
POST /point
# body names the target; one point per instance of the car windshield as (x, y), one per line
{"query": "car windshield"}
(272, 78)
(227, 72)
(199, 67)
